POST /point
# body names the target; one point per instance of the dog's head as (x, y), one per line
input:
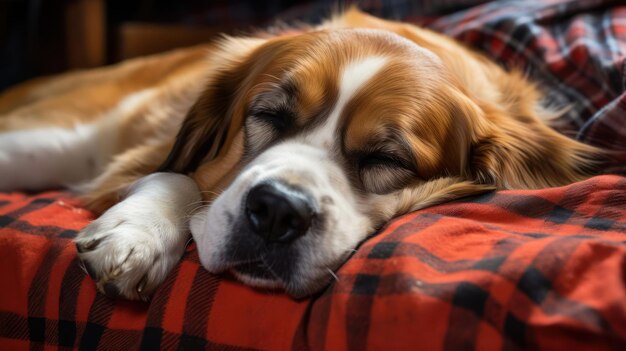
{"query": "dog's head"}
(314, 141)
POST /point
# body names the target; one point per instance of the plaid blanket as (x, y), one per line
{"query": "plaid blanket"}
(543, 269)
(575, 50)
(538, 269)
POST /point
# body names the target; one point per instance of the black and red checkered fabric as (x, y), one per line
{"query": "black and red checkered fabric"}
(541, 269)
(575, 50)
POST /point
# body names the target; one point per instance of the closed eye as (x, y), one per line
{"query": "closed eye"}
(381, 159)
(382, 172)
(279, 120)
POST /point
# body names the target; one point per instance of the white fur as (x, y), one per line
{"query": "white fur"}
(306, 161)
(133, 101)
(42, 158)
(137, 242)
(48, 157)
(353, 78)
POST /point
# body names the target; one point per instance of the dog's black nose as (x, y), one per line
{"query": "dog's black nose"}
(278, 213)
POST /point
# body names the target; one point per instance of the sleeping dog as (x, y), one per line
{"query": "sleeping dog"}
(279, 153)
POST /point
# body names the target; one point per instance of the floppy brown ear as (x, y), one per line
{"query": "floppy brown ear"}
(216, 117)
(519, 152)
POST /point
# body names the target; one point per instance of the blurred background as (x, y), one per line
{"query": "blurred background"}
(575, 50)
(40, 37)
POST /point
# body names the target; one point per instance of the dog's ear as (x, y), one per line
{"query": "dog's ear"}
(217, 116)
(522, 152)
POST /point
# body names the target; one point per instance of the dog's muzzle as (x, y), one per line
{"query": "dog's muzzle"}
(287, 221)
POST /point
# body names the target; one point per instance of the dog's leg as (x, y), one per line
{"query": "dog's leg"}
(130, 249)
(107, 189)
(35, 159)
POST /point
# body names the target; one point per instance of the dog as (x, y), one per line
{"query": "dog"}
(280, 153)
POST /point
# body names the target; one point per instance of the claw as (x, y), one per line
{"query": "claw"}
(111, 290)
(88, 246)
(90, 271)
(116, 272)
(142, 284)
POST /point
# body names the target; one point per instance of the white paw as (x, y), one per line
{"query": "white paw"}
(131, 248)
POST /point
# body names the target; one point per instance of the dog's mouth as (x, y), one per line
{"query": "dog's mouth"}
(257, 274)
(257, 269)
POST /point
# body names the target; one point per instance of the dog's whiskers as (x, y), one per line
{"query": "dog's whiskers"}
(332, 273)
(214, 193)
(197, 202)
(191, 213)
(201, 206)
(81, 265)
(189, 241)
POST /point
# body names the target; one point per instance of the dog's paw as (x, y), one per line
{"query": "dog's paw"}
(128, 254)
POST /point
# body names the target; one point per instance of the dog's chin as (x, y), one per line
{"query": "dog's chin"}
(257, 275)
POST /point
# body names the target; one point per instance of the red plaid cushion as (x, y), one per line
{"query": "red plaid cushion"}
(541, 269)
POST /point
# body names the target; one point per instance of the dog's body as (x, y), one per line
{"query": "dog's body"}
(303, 143)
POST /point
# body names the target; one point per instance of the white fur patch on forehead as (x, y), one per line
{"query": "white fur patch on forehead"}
(355, 75)
(353, 78)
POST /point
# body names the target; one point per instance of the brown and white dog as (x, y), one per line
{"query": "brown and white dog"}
(281, 153)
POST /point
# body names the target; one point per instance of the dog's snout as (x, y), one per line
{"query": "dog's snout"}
(278, 213)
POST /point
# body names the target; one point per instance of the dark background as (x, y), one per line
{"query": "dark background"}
(43, 37)
(39, 37)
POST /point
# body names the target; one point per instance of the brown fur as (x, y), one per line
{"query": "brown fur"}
(480, 126)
